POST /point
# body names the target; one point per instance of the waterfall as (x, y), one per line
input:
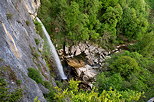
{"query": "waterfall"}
(53, 51)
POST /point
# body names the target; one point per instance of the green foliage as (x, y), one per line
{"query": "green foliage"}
(6, 96)
(134, 22)
(37, 41)
(44, 13)
(146, 45)
(131, 95)
(38, 28)
(36, 99)
(77, 95)
(9, 16)
(105, 21)
(104, 83)
(49, 96)
(27, 22)
(151, 3)
(19, 82)
(128, 71)
(107, 3)
(35, 75)
(124, 65)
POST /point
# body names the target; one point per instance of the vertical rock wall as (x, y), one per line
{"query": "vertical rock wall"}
(17, 44)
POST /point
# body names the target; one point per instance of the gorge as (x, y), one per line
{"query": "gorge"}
(103, 50)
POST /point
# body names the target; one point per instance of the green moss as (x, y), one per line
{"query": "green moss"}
(18, 82)
(27, 23)
(9, 16)
(35, 75)
(6, 96)
(37, 41)
(38, 28)
(36, 99)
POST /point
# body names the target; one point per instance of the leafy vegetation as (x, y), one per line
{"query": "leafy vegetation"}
(128, 71)
(107, 23)
(6, 95)
(74, 94)
(35, 75)
(9, 16)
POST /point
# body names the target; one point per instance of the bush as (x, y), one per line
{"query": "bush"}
(124, 65)
(38, 28)
(35, 75)
(135, 70)
(27, 23)
(6, 96)
(77, 95)
(104, 83)
(37, 41)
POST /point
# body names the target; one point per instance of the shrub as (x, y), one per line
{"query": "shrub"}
(19, 82)
(38, 28)
(6, 96)
(27, 23)
(49, 96)
(37, 41)
(124, 65)
(35, 75)
(36, 99)
(104, 83)
(77, 95)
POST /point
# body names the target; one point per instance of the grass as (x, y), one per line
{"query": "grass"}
(35, 75)
(38, 28)
(37, 41)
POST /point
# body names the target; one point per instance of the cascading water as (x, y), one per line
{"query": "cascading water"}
(53, 51)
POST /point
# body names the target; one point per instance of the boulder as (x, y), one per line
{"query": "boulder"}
(78, 51)
(87, 72)
(75, 63)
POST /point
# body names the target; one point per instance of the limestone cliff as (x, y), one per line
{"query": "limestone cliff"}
(18, 46)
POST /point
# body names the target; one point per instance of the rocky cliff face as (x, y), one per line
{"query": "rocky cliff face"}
(18, 46)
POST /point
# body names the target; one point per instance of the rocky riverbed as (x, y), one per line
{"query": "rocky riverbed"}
(86, 59)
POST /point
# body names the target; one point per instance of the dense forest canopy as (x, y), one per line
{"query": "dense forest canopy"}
(107, 23)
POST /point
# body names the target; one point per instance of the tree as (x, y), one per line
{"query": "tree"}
(124, 65)
(110, 19)
(146, 45)
(134, 23)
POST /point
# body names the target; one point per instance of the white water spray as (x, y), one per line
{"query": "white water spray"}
(53, 51)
